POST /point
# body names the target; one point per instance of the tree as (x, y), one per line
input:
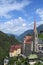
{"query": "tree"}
(38, 63)
(2, 55)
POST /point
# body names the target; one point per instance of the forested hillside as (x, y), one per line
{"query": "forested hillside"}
(5, 42)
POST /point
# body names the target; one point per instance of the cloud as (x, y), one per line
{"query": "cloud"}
(24, 24)
(40, 13)
(17, 26)
(10, 5)
(14, 26)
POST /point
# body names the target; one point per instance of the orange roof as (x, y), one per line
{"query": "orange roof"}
(28, 39)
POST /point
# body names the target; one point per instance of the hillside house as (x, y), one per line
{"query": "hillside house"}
(15, 50)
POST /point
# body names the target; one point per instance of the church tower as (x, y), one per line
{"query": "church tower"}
(35, 38)
(24, 46)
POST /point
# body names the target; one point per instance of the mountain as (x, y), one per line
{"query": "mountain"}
(40, 28)
(30, 32)
(8, 38)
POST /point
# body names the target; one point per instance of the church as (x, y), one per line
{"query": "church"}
(32, 44)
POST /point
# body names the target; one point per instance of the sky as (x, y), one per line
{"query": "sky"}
(17, 16)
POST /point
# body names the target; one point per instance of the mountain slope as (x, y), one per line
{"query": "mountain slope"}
(5, 42)
(6, 38)
(40, 28)
(30, 32)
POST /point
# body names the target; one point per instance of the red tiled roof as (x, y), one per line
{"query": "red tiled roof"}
(17, 46)
(14, 47)
(28, 39)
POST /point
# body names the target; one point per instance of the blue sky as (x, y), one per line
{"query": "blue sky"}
(17, 16)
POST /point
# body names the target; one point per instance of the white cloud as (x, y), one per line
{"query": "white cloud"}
(40, 13)
(15, 26)
(24, 24)
(10, 5)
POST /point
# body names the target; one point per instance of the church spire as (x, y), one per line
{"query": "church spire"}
(35, 40)
(34, 25)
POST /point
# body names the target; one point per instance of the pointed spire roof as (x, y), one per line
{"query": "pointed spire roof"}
(34, 25)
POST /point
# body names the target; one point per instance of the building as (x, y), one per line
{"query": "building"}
(32, 43)
(35, 39)
(27, 45)
(40, 45)
(6, 61)
(37, 43)
(15, 50)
